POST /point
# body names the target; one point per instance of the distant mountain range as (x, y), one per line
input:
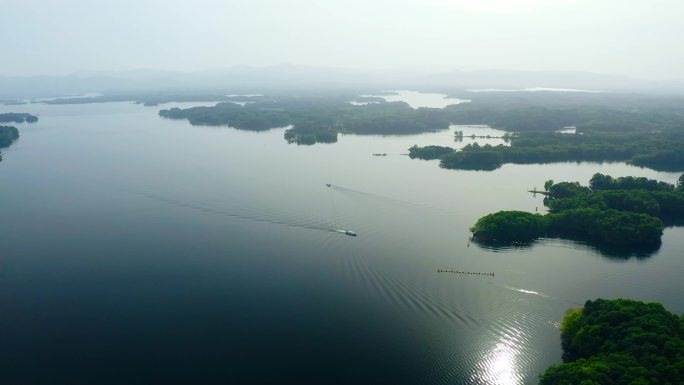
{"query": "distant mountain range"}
(288, 76)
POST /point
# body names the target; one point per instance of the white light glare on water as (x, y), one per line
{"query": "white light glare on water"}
(499, 365)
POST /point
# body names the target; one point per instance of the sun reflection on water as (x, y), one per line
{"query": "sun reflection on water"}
(499, 365)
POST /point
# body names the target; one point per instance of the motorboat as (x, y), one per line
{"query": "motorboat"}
(346, 232)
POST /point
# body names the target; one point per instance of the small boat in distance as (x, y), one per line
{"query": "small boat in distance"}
(328, 184)
(346, 232)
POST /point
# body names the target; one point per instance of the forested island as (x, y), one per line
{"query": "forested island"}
(429, 152)
(619, 342)
(656, 150)
(642, 132)
(8, 134)
(16, 117)
(626, 212)
(151, 98)
(317, 120)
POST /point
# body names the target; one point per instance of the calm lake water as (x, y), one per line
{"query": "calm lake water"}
(140, 250)
(417, 99)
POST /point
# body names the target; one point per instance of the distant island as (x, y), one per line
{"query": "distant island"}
(316, 119)
(610, 131)
(656, 150)
(8, 134)
(16, 117)
(625, 211)
(429, 152)
(14, 102)
(619, 341)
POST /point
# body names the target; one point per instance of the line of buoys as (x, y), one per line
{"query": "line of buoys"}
(463, 272)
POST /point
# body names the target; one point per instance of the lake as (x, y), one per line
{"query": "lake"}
(142, 250)
(417, 99)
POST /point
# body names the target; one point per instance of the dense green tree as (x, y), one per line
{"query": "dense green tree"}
(483, 158)
(17, 117)
(639, 201)
(509, 226)
(8, 135)
(607, 226)
(620, 342)
(548, 184)
(660, 151)
(639, 195)
(606, 182)
(626, 218)
(429, 152)
(567, 189)
(525, 116)
(316, 117)
(653, 138)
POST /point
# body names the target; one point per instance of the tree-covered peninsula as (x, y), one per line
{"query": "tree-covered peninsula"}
(619, 342)
(632, 215)
(316, 120)
(647, 133)
(429, 152)
(17, 117)
(659, 151)
(8, 134)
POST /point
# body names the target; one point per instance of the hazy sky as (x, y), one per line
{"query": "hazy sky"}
(638, 38)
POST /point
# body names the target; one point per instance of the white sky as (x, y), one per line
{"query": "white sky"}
(638, 38)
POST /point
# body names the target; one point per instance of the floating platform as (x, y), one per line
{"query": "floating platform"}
(464, 272)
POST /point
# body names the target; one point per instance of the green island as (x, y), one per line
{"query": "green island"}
(429, 152)
(643, 132)
(148, 98)
(17, 117)
(8, 134)
(316, 119)
(626, 212)
(619, 341)
(662, 151)
(14, 102)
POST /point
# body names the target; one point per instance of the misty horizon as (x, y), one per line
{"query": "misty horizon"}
(639, 41)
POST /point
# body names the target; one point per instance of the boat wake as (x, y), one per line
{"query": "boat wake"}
(289, 220)
(387, 199)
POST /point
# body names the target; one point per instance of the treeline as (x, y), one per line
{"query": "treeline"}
(649, 136)
(624, 217)
(662, 204)
(514, 112)
(230, 114)
(316, 120)
(633, 194)
(429, 152)
(17, 117)
(610, 227)
(8, 135)
(152, 98)
(510, 114)
(607, 182)
(659, 151)
(619, 342)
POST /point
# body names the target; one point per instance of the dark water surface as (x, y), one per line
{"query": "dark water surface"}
(138, 250)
